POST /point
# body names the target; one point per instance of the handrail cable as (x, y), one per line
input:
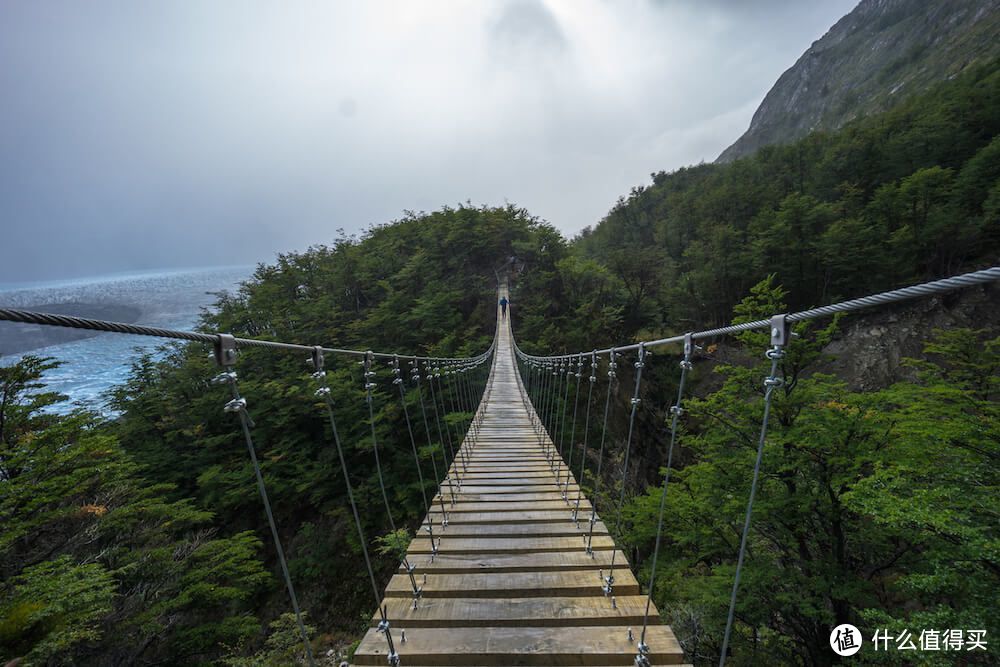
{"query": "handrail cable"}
(68, 321)
(882, 298)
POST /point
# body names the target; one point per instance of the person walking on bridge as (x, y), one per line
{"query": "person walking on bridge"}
(503, 306)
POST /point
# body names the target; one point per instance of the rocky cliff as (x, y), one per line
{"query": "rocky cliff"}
(881, 52)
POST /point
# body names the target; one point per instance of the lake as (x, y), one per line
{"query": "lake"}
(172, 299)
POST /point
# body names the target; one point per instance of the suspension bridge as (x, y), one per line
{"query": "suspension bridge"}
(520, 574)
(513, 564)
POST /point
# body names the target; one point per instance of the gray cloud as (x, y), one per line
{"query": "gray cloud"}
(526, 27)
(139, 135)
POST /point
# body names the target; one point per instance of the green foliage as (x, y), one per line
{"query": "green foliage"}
(140, 572)
(892, 198)
(424, 284)
(394, 544)
(876, 509)
(54, 606)
(282, 647)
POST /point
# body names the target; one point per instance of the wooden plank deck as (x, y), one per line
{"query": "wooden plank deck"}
(512, 583)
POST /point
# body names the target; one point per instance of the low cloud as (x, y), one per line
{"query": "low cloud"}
(140, 135)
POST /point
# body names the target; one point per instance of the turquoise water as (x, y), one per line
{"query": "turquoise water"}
(171, 299)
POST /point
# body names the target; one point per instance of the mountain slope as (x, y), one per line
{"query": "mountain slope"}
(876, 56)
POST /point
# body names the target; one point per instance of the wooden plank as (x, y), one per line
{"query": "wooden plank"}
(528, 516)
(518, 612)
(540, 562)
(512, 584)
(479, 506)
(506, 544)
(538, 646)
(564, 528)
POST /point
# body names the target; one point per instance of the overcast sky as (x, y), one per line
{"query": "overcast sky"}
(139, 135)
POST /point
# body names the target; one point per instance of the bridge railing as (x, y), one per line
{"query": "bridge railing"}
(548, 380)
(454, 386)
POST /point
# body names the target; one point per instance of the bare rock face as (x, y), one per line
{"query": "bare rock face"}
(877, 55)
(870, 349)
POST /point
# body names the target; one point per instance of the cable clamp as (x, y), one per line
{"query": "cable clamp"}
(235, 405)
(772, 381)
(319, 375)
(317, 358)
(225, 350)
(323, 392)
(677, 410)
(229, 377)
(775, 353)
(635, 400)
(779, 331)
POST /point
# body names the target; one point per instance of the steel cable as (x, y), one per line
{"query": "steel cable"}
(239, 405)
(612, 376)
(610, 579)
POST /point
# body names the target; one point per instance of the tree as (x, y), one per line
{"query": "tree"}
(94, 555)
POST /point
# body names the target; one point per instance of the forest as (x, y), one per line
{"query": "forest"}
(140, 539)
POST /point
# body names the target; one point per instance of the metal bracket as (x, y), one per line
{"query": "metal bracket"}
(225, 350)
(317, 358)
(779, 331)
